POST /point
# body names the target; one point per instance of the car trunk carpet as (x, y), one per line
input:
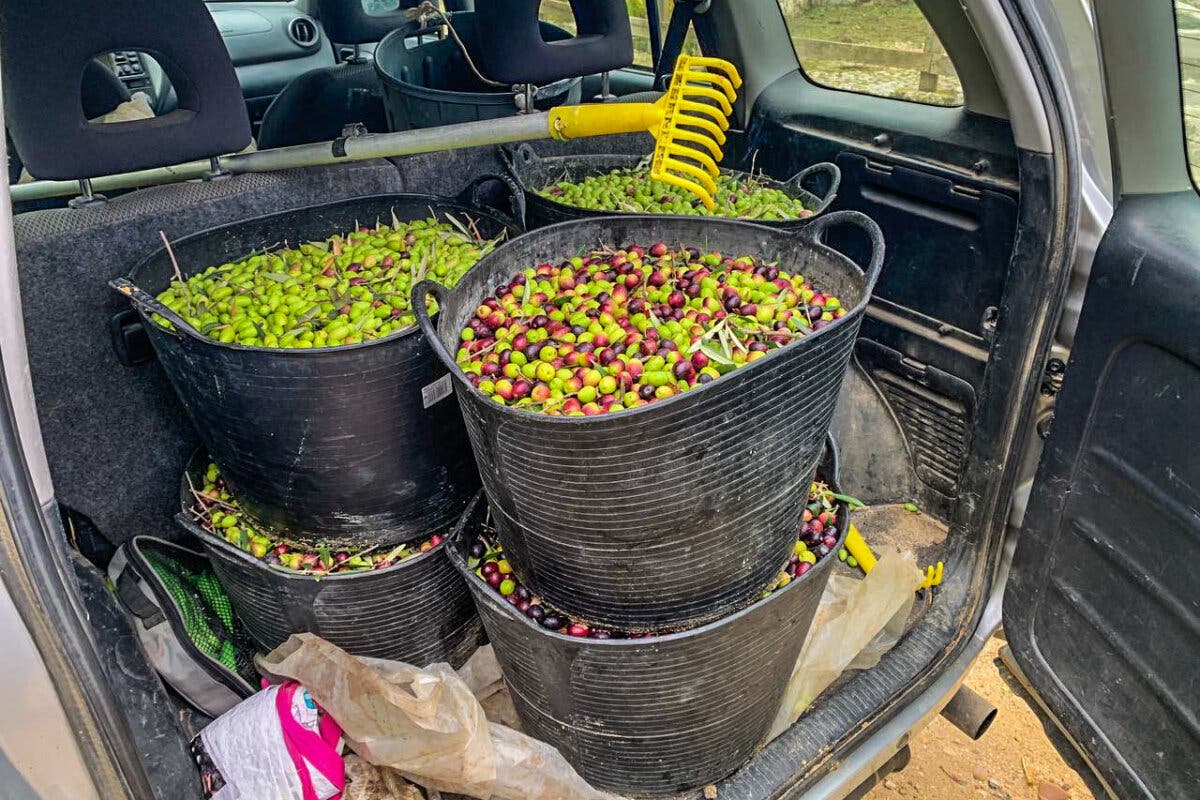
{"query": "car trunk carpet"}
(116, 437)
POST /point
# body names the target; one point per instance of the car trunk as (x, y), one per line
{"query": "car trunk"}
(921, 417)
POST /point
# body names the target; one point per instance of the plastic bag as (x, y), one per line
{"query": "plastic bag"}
(426, 724)
(855, 624)
(274, 745)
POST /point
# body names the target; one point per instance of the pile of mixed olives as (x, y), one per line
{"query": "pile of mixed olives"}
(614, 329)
(816, 538)
(216, 511)
(632, 190)
(345, 290)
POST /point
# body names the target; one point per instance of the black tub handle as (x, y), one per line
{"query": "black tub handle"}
(517, 158)
(147, 303)
(473, 196)
(835, 180)
(815, 230)
(525, 153)
(440, 293)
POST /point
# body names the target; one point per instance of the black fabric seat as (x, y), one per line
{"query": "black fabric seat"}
(317, 105)
(42, 102)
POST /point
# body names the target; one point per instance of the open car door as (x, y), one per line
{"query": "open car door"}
(1102, 609)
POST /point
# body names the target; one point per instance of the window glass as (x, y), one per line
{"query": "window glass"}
(559, 13)
(884, 48)
(1187, 24)
(378, 8)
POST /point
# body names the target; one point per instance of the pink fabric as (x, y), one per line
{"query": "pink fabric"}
(303, 745)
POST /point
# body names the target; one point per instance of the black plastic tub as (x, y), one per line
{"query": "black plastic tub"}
(535, 173)
(427, 80)
(418, 611)
(329, 443)
(656, 715)
(677, 512)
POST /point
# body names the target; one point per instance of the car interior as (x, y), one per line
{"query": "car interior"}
(936, 409)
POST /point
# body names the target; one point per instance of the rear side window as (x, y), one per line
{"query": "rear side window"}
(884, 48)
(1187, 24)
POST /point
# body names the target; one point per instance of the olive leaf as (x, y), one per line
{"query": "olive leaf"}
(715, 355)
(853, 502)
(278, 277)
(395, 552)
(326, 558)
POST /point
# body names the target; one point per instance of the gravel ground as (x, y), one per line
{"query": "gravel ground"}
(1017, 759)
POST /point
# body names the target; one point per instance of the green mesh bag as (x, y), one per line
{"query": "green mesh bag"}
(184, 619)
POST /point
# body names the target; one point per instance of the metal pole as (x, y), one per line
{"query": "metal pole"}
(519, 128)
(654, 23)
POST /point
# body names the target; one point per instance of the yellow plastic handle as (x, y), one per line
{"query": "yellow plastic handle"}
(857, 547)
(576, 122)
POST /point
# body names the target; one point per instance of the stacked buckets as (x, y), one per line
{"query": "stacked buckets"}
(334, 446)
(672, 516)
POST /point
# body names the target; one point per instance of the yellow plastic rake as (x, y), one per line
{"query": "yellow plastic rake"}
(688, 123)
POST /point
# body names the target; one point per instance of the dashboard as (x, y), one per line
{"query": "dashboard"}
(270, 43)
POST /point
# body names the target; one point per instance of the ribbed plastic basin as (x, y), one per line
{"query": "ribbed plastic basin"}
(680, 511)
(535, 173)
(330, 443)
(656, 715)
(418, 611)
(427, 81)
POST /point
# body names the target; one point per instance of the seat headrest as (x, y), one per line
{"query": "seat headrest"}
(347, 21)
(45, 49)
(513, 50)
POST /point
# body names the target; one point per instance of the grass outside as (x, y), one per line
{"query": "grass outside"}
(887, 24)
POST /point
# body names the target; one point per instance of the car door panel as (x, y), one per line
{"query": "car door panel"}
(1103, 609)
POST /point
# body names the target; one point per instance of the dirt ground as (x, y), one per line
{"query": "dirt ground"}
(1016, 759)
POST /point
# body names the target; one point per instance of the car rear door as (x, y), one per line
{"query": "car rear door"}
(1102, 609)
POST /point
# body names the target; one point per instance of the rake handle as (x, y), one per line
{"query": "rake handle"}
(575, 122)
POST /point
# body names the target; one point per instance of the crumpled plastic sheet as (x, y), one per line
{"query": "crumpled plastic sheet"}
(427, 723)
(857, 621)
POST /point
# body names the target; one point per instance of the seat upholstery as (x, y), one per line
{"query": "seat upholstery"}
(42, 100)
(315, 106)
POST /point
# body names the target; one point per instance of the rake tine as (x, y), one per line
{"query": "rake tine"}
(696, 122)
(699, 174)
(704, 159)
(693, 91)
(692, 78)
(686, 135)
(690, 186)
(718, 66)
(694, 110)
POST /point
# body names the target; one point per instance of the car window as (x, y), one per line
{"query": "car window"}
(380, 7)
(559, 13)
(884, 48)
(1187, 24)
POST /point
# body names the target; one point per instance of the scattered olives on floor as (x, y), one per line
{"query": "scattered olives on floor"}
(347, 289)
(632, 190)
(816, 538)
(616, 329)
(215, 510)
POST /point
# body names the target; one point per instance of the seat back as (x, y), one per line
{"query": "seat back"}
(317, 105)
(42, 93)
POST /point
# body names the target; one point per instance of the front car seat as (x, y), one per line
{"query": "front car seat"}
(317, 105)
